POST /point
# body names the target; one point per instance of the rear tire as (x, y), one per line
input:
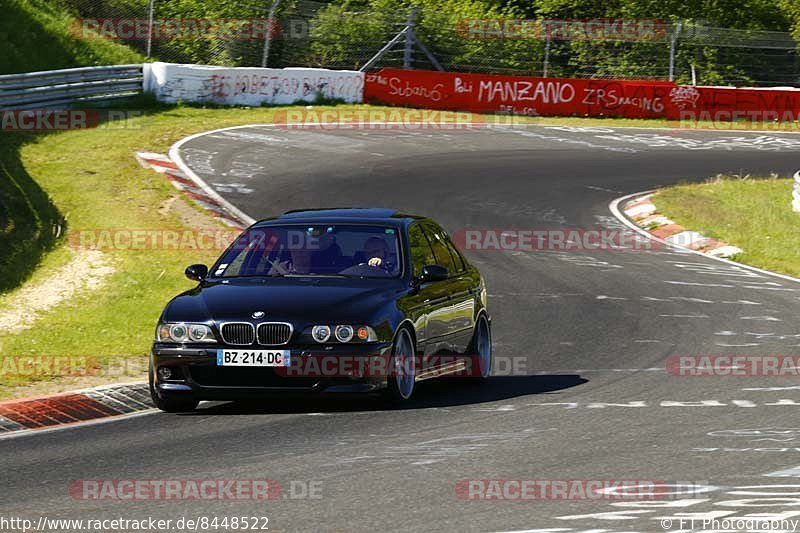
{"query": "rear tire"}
(169, 403)
(400, 382)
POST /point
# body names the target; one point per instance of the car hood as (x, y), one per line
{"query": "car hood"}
(297, 300)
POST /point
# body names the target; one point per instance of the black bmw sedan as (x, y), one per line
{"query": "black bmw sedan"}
(333, 300)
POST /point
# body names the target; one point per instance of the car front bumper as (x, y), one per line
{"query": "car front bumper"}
(346, 369)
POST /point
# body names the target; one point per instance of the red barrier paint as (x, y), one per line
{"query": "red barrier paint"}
(519, 95)
(56, 410)
(720, 104)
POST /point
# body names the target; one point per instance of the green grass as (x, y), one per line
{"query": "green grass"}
(754, 214)
(40, 35)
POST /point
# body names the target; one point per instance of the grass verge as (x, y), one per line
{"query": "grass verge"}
(754, 214)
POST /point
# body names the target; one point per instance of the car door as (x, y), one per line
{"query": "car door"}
(427, 300)
(458, 314)
(465, 297)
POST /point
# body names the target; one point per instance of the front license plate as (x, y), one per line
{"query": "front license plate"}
(253, 357)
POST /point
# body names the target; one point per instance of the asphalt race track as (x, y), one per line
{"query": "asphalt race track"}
(590, 331)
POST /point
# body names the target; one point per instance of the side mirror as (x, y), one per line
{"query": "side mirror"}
(434, 273)
(196, 272)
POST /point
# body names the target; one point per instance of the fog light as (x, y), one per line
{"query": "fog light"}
(164, 373)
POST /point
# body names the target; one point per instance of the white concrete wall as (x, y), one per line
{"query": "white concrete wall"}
(172, 82)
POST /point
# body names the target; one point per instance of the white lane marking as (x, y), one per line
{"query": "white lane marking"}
(567, 140)
(772, 389)
(757, 283)
(775, 336)
(603, 189)
(600, 370)
(586, 260)
(726, 345)
(685, 316)
(700, 284)
(714, 270)
(548, 530)
(604, 297)
(689, 299)
(692, 300)
(787, 472)
(761, 318)
(441, 449)
(762, 288)
(495, 409)
(784, 402)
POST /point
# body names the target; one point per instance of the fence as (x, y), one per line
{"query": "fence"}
(314, 34)
(55, 88)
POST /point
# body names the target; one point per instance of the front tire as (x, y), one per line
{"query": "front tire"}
(481, 348)
(401, 380)
(168, 403)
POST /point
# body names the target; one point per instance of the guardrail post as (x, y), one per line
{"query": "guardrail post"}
(546, 66)
(268, 37)
(150, 28)
(408, 51)
(673, 44)
(796, 193)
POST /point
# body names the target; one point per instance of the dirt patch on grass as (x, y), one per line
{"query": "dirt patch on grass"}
(86, 271)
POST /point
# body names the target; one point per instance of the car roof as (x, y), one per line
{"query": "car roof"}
(343, 214)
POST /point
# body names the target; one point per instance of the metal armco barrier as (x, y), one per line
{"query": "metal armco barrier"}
(61, 88)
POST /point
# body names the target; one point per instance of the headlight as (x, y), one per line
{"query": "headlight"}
(321, 333)
(182, 332)
(343, 333)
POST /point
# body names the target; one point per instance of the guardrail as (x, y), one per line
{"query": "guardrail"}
(796, 192)
(61, 88)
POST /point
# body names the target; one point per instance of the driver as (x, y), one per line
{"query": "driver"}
(376, 249)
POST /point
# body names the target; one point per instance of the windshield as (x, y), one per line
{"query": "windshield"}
(318, 250)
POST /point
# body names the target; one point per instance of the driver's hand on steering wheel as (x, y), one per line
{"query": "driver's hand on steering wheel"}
(375, 262)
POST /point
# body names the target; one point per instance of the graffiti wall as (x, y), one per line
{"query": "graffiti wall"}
(479, 93)
(171, 82)
(483, 93)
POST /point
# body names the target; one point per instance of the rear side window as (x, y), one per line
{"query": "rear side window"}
(443, 256)
(420, 250)
(458, 259)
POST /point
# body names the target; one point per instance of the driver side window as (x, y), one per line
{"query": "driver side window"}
(421, 253)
